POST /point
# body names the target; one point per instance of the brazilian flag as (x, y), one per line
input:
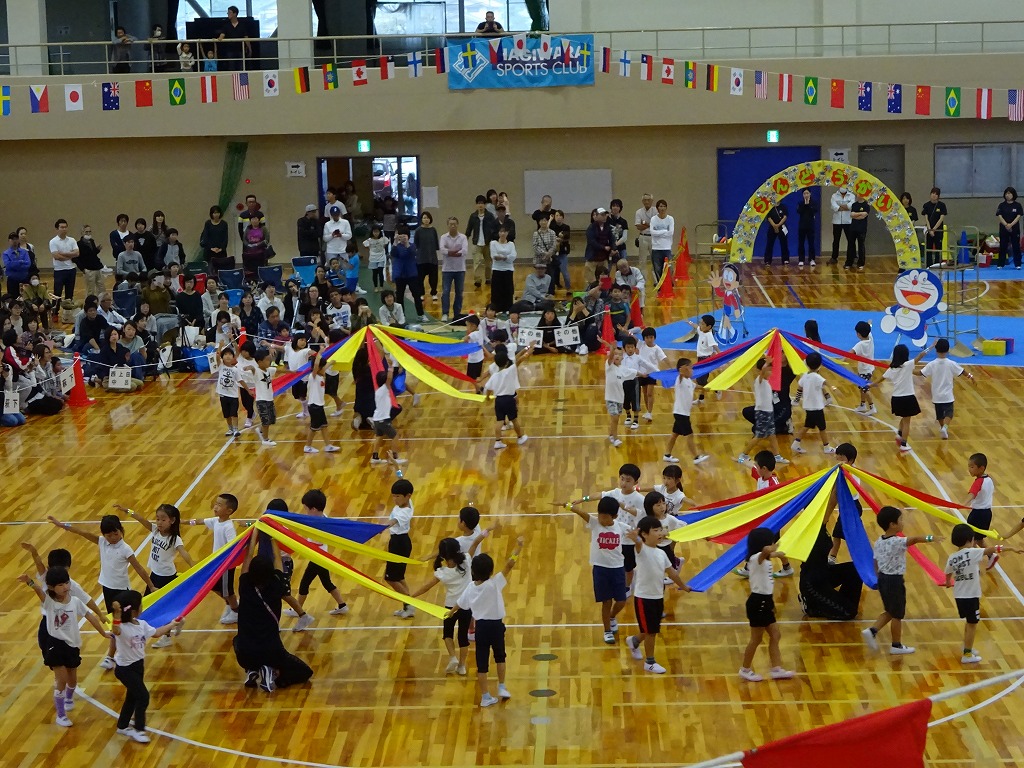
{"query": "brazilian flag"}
(810, 90)
(952, 102)
(176, 91)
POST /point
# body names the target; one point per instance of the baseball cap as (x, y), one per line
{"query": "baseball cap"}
(335, 209)
(602, 210)
(310, 207)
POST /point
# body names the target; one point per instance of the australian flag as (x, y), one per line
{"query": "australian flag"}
(111, 97)
(864, 96)
(894, 99)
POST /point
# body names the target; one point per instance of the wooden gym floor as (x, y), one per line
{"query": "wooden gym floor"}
(379, 696)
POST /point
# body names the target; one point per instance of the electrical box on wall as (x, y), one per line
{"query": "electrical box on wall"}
(295, 170)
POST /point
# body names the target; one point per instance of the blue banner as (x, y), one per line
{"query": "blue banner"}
(519, 61)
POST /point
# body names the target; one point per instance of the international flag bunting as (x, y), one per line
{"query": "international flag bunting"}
(271, 84)
(39, 99)
(583, 52)
(785, 87)
(923, 100)
(240, 86)
(711, 82)
(441, 60)
(330, 76)
(810, 91)
(387, 67)
(864, 95)
(894, 99)
(301, 75)
(359, 72)
(668, 71)
(208, 89)
(143, 93)
(73, 98)
(624, 62)
(838, 100)
(1015, 105)
(176, 91)
(736, 82)
(984, 103)
(760, 85)
(606, 60)
(111, 97)
(545, 44)
(646, 67)
(414, 63)
(691, 74)
(5, 100)
(952, 102)
(496, 52)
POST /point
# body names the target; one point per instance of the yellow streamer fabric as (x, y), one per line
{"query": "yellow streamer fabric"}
(796, 364)
(339, 542)
(910, 501)
(799, 538)
(416, 335)
(342, 358)
(147, 600)
(315, 555)
(740, 366)
(424, 374)
(747, 511)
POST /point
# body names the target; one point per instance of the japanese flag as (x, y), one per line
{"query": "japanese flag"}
(73, 98)
(545, 44)
(519, 42)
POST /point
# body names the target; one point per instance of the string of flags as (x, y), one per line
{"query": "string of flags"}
(652, 69)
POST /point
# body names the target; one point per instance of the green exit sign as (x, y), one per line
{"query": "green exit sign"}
(772, 137)
(363, 145)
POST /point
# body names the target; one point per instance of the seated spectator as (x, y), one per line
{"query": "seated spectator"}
(585, 315)
(537, 291)
(172, 251)
(548, 323)
(630, 276)
(190, 305)
(129, 283)
(250, 316)
(17, 308)
(255, 242)
(46, 397)
(317, 330)
(270, 299)
(113, 355)
(138, 354)
(37, 295)
(339, 313)
(292, 298)
(129, 260)
(7, 384)
(210, 299)
(173, 279)
(224, 305)
(363, 315)
(314, 299)
(114, 318)
(273, 334)
(92, 328)
(33, 334)
(156, 294)
(16, 357)
(391, 313)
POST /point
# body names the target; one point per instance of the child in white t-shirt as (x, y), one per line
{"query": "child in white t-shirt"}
(762, 546)
(682, 404)
(764, 414)
(315, 400)
(865, 347)
(941, 371)
(229, 380)
(399, 543)
(223, 528)
(607, 564)
(451, 568)
(475, 359)
(631, 387)
(655, 506)
(812, 389)
(672, 489)
(615, 375)
(651, 358)
(130, 635)
(707, 346)
(247, 369)
(963, 574)
(264, 398)
(296, 355)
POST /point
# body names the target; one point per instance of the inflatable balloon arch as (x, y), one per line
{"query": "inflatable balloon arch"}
(826, 173)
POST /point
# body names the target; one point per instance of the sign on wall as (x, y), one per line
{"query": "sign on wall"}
(518, 61)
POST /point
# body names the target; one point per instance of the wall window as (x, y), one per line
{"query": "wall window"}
(978, 170)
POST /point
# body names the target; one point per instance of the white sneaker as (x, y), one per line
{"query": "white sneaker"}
(609, 637)
(138, 736)
(670, 458)
(800, 264)
(869, 638)
(944, 431)
(648, 416)
(750, 675)
(635, 425)
(331, 449)
(629, 421)
(304, 621)
(828, 449)
(444, 318)
(107, 663)
(248, 424)
(229, 433)
(783, 573)
(654, 668)
(487, 700)
(300, 415)
(424, 319)
(905, 448)
(634, 648)
(357, 421)
(107, 271)
(505, 427)
(862, 408)
(871, 411)
(377, 460)
(523, 439)
(796, 447)
(310, 449)
(65, 722)
(498, 445)
(582, 349)
(614, 624)
(700, 458)
(337, 413)
(290, 613)
(461, 671)
(230, 618)
(615, 441)
(503, 692)
(341, 610)
(416, 399)
(903, 650)
(778, 673)
(780, 459)
(268, 443)
(361, 291)
(813, 264)
(970, 658)
(408, 613)
(453, 665)
(163, 642)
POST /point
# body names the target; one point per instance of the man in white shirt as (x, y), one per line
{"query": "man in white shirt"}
(64, 250)
(454, 247)
(631, 276)
(332, 201)
(842, 204)
(643, 217)
(111, 315)
(269, 299)
(337, 233)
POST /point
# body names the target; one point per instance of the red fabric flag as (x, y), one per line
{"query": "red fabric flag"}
(838, 94)
(777, 356)
(376, 364)
(923, 103)
(894, 736)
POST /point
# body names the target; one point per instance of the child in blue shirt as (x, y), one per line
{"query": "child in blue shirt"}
(352, 266)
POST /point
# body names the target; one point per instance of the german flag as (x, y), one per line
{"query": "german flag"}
(712, 81)
(302, 79)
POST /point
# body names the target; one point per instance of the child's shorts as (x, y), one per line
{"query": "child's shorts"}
(648, 614)
(943, 411)
(267, 412)
(331, 385)
(398, 544)
(287, 568)
(614, 408)
(764, 423)
(629, 556)
(681, 425)
(225, 586)
(384, 429)
(110, 597)
(814, 420)
(645, 381)
(969, 608)
(229, 406)
(980, 518)
(505, 407)
(609, 583)
(299, 390)
(57, 653)
(473, 370)
(317, 417)
(760, 610)
(905, 406)
(702, 380)
(893, 591)
(866, 377)
(351, 283)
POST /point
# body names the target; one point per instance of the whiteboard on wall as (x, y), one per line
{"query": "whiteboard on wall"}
(571, 190)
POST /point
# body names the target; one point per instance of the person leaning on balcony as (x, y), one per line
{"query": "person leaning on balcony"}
(121, 52)
(489, 27)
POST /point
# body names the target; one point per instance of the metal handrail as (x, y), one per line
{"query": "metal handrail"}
(723, 43)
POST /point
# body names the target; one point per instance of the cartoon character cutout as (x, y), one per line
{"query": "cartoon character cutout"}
(726, 285)
(919, 299)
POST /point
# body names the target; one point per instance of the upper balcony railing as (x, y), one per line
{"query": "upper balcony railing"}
(705, 43)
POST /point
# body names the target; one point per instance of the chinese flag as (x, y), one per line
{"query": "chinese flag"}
(838, 94)
(923, 104)
(143, 93)
(892, 737)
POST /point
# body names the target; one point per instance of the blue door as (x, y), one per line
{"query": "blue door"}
(741, 171)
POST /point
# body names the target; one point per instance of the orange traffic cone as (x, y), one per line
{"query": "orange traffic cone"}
(665, 290)
(79, 399)
(607, 330)
(636, 318)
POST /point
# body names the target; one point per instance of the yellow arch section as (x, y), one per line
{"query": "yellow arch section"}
(824, 173)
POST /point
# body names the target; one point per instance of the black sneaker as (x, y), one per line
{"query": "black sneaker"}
(252, 678)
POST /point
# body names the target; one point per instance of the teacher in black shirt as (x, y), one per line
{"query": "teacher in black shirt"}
(777, 230)
(1009, 214)
(807, 211)
(859, 213)
(934, 212)
(232, 45)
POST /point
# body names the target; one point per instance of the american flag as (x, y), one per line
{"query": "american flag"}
(760, 85)
(240, 86)
(1015, 101)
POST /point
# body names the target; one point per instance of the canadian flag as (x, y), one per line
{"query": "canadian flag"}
(359, 72)
(668, 71)
(208, 89)
(646, 67)
(984, 103)
(387, 67)
(73, 98)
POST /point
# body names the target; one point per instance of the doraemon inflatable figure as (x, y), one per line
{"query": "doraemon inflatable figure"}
(918, 299)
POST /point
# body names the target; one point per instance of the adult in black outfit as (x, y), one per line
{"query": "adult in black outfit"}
(258, 647)
(807, 214)
(829, 591)
(777, 230)
(362, 375)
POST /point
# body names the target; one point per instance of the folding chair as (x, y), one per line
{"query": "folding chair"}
(200, 282)
(305, 269)
(197, 267)
(126, 302)
(231, 278)
(234, 296)
(271, 275)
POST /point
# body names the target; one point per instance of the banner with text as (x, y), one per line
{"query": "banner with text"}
(518, 61)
